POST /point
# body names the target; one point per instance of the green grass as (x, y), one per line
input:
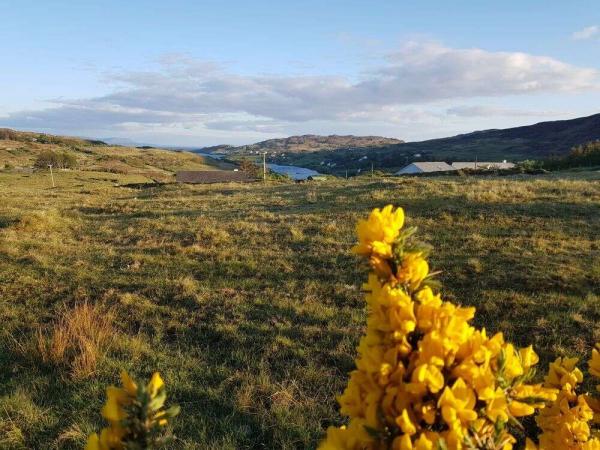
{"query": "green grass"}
(247, 299)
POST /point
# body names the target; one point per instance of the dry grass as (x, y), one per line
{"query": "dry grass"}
(247, 299)
(78, 340)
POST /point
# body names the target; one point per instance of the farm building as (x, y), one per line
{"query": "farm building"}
(482, 165)
(425, 167)
(211, 176)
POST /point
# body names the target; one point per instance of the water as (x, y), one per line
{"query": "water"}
(294, 172)
(210, 155)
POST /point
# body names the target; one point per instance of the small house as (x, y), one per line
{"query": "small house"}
(425, 167)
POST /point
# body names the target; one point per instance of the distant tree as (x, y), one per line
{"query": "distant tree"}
(61, 160)
(584, 155)
(250, 168)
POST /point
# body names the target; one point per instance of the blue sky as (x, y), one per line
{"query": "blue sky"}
(209, 72)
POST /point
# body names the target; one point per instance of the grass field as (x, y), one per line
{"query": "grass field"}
(246, 297)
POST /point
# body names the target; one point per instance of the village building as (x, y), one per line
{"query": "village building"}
(433, 166)
(425, 167)
(478, 165)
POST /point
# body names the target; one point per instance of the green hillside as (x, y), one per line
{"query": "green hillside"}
(19, 150)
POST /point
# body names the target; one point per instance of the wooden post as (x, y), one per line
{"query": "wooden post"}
(51, 175)
(265, 167)
(372, 174)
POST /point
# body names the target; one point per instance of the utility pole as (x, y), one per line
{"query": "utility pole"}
(265, 167)
(51, 175)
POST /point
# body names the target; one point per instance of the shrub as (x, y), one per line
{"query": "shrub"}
(427, 379)
(61, 160)
(250, 168)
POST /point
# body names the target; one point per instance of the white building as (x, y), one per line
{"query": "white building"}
(425, 167)
(482, 165)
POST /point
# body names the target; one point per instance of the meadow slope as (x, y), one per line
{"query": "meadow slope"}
(247, 298)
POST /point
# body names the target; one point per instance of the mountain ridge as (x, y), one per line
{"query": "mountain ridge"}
(537, 141)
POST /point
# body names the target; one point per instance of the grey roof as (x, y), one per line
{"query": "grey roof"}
(426, 167)
(211, 176)
(482, 165)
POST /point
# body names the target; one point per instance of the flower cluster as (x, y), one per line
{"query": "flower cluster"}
(566, 423)
(135, 415)
(425, 378)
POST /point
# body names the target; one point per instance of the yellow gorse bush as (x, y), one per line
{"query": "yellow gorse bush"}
(426, 379)
(136, 416)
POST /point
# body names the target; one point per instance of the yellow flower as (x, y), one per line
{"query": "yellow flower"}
(377, 234)
(422, 366)
(413, 270)
(457, 404)
(520, 409)
(353, 437)
(132, 415)
(562, 372)
(534, 391)
(155, 384)
(594, 362)
(429, 376)
(405, 423)
(497, 405)
(93, 442)
(128, 384)
(113, 408)
(528, 357)
(512, 362)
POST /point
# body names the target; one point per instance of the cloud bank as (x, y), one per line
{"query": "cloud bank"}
(187, 93)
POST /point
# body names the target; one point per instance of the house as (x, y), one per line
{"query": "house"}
(477, 165)
(211, 176)
(425, 167)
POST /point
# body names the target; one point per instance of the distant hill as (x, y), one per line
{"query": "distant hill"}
(309, 143)
(537, 141)
(19, 151)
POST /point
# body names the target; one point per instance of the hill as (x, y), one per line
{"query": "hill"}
(309, 143)
(537, 141)
(20, 150)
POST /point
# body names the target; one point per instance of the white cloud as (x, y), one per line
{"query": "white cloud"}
(587, 33)
(192, 94)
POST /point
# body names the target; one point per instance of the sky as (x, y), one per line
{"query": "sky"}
(198, 73)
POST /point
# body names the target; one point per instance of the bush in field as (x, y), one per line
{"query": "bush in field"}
(426, 379)
(62, 160)
(250, 168)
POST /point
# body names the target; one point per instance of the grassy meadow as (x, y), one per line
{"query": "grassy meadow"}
(246, 298)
